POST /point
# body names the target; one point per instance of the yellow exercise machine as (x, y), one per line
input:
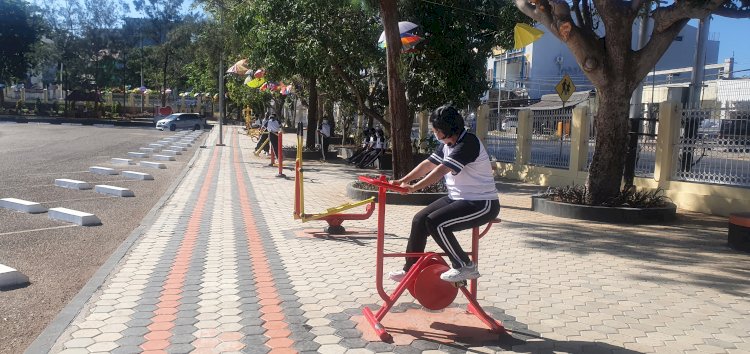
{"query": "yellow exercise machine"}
(333, 216)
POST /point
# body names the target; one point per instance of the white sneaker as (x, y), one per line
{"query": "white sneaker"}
(397, 275)
(461, 274)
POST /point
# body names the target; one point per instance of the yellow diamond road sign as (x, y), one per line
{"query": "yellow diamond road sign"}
(565, 88)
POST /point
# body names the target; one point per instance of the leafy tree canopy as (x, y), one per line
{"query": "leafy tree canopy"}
(19, 33)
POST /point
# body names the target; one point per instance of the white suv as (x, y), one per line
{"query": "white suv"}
(181, 121)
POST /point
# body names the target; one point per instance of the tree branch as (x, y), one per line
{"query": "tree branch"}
(584, 45)
(650, 54)
(732, 13)
(539, 13)
(635, 5)
(665, 17)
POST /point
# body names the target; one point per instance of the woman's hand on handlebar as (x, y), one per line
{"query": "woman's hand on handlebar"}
(400, 182)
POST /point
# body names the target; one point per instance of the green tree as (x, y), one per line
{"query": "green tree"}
(613, 66)
(451, 66)
(171, 33)
(19, 33)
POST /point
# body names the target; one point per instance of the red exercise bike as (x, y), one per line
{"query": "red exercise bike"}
(423, 279)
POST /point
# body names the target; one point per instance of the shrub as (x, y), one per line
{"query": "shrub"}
(629, 197)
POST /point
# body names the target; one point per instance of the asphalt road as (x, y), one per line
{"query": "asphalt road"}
(59, 258)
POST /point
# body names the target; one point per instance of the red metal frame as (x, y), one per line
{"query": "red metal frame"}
(390, 300)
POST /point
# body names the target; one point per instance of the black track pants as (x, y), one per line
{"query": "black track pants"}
(444, 217)
(274, 141)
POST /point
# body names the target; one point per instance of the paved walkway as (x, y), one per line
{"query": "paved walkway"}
(224, 268)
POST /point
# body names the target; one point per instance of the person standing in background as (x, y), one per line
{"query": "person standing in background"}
(325, 135)
(273, 126)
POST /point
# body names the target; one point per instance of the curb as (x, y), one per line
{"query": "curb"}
(615, 215)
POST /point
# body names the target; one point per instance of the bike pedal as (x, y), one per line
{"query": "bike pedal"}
(460, 284)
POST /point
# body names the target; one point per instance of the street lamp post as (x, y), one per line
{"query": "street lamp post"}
(221, 83)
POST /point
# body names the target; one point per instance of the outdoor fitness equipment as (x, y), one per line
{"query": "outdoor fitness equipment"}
(333, 216)
(423, 279)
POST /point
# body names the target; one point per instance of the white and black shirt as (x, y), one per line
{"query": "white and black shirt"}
(325, 129)
(471, 176)
(273, 126)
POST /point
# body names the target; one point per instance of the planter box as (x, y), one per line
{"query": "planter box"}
(615, 215)
(394, 198)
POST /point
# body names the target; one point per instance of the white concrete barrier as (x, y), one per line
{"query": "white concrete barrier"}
(150, 164)
(10, 277)
(102, 170)
(178, 148)
(171, 152)
(21, 205)
(146, 150)
(137, 175)
(164, 158)
(113, 190)
(72, 184)
(119, 161)
(73, 216)
(187, 145)
(138, 154)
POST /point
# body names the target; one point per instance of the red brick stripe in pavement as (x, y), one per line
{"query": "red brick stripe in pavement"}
(277, 331)
(157, 339)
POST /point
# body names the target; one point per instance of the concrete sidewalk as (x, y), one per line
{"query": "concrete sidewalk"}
(224, 268)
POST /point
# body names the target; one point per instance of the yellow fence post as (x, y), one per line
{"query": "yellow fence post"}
(579, 139)
(667, 137)
(523, 136)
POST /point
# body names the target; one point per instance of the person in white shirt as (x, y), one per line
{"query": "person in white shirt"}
(377, 149)
(368, 142)
(325, 135)
(273, 126)
(472, 198)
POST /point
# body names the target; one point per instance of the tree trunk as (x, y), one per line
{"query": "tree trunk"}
(278, 108)
(401, 125)
(312, 114)
(164, 81)
(611, 126)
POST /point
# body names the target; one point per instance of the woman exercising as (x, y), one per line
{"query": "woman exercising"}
(471, 201)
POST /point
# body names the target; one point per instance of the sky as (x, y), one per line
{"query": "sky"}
(732, 39)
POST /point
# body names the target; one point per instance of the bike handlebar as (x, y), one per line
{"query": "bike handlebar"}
(384, 184)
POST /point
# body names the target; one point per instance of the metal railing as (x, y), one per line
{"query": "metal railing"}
(502, 136)
(645, 160)
(714, 147)
(550, 142)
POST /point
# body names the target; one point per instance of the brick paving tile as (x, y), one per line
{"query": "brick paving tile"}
(224, 267)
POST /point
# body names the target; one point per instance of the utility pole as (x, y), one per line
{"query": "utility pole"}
(699, 64)
(141, 87)
(221, 80)
(636, 112)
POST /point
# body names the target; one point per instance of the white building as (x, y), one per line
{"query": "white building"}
(535, 70)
